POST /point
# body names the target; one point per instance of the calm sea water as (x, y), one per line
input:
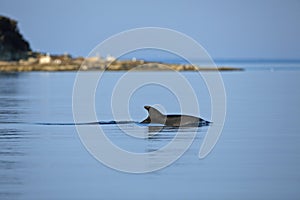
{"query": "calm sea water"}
(257, 156)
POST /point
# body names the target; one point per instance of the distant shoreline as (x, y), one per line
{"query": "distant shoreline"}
(92, 65)
(17, 56)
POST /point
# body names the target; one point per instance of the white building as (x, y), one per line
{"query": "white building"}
(110, 58)
(45, 59)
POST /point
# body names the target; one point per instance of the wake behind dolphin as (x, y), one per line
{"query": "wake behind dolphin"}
(71, 123)
(156, 117)
(87, 123)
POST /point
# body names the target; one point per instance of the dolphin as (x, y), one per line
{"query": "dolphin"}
(156, 117)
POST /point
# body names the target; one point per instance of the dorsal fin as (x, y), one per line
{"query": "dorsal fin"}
(154, 116)
(152, 111)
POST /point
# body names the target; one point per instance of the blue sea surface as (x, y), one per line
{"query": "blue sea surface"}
(256, 157)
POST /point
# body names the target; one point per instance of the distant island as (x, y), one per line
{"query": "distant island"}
(16, 56)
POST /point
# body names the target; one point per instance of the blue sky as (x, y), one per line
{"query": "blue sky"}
(267, 29)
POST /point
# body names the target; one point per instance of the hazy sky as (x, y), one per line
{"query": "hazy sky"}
(227, 29)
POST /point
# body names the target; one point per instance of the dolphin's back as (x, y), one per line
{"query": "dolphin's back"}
(181, 120)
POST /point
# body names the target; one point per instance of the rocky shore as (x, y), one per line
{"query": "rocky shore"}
(17, 56)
